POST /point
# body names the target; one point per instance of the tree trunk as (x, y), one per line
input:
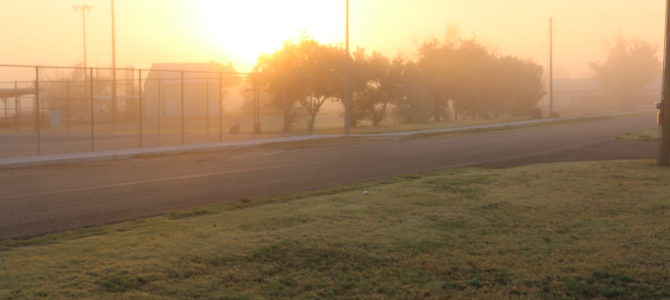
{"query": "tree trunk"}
(379, 115)
(310, 123)
(313, 107)
(287, 119)
(437, 110)
(353, 122)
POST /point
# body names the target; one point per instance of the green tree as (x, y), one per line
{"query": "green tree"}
(630, 66)
(473, 81)
(324, 73)
(413, 102)
(303, 72)
(376, 84)
(521, 85)
(464, 77)
(277, 74)
(435, 64)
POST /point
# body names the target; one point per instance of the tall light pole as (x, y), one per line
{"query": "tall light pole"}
(84, 9)
(113, 68)
(551, 67)
(664, 151)
(347, 83)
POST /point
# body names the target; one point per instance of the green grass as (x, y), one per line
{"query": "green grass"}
(570, 230)
(648, 135)
(387, 128)
(508, 127)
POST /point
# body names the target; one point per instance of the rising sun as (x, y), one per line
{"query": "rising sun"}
(243, 30)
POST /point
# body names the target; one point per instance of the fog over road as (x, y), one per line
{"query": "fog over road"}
(44, 199)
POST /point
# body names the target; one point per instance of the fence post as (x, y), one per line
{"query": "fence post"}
(220, 107)
(91, 95)
(114, 99)
(182, 107)
(160, 111)
(67, 105)
(255, 106)
(17, 106)
(207, 103)
(139, 89)
(287, 112)
(37, 110)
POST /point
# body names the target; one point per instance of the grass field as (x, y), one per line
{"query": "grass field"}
(387, 128)
(569, 230)
(649, 135)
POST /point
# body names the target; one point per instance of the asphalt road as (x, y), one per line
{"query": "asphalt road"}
(51, 198)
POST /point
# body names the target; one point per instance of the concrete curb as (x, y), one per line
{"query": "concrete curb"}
(465, 128)
(23, 161)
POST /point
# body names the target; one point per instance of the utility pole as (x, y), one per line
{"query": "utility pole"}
(347, 77)
(551, 67)
(664, 151)
(84, 9)
(113, 68)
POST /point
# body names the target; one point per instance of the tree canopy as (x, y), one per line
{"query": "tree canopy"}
(630, 66)
(446, 80)
(305, 73)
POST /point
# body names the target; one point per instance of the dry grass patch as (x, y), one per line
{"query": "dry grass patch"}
(571, 230)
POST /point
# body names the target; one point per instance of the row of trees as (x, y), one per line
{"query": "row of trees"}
(446, 80)
(630, 66)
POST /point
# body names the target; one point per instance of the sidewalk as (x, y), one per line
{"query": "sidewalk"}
(464, 128)
(125, 153)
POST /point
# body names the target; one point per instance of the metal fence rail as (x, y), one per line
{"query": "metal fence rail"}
(53, 109)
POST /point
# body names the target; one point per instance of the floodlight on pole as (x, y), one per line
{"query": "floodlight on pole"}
(347, 84)
(83, 9)
(664, 114)
(551, 68)
(113, 67)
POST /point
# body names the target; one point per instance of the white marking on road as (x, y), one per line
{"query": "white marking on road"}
(137, 182)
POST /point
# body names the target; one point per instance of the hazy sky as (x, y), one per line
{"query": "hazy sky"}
(48, 32)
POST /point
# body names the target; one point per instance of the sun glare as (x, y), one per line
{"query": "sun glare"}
(243, 30)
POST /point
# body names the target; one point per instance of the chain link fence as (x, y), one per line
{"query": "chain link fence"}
(49, 110)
